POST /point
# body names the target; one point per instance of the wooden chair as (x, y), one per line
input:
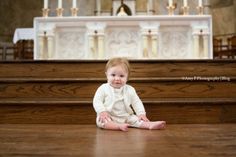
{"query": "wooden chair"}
(217, 47)
(232, 46)
(221, 51)
(24, 49)
(6, 52)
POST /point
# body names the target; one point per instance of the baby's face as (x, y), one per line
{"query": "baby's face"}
(117, 76)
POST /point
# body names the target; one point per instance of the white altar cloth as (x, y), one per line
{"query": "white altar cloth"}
(23, 34)
(136, 37)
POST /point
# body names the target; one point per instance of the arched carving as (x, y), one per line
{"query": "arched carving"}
(126, 9)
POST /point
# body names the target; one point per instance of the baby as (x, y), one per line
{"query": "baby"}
(117, 104)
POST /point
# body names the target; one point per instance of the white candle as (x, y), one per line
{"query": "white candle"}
(185, 3)
(200, 3)
(74, 4)
(59, 3)
(170, 2)
(45, 4)
(98, 6)
(150, 4)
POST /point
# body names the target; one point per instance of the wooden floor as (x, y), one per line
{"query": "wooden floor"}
(179, 140)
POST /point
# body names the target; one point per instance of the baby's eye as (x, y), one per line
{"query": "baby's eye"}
(121, 75)
(113, 75)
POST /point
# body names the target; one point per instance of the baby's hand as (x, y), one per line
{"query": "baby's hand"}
(143, 117)
(104, 117)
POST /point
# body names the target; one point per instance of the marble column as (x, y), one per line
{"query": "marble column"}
(154, 46)
(205, 46)
(145, 45)
(195, 46)
(50, 47)
(96, 39)
(149, 32)
(42, 46)
(207, 7)
(98, 7)
(150, 10)
(101, 46)
(91, 45)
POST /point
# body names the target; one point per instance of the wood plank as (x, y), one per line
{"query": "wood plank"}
(47, 114)
(95, 68)
(192, 113)
(146, 90)
(83, 113)
(87, 140)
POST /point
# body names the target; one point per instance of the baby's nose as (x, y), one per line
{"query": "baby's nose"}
(117, 78)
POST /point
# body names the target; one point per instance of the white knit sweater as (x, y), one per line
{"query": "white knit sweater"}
(104, 99)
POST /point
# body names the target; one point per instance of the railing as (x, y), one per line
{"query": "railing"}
(6, 51)
(224, 46)
(22, 50)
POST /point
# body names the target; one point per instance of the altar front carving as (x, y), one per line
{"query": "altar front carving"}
(136, 37)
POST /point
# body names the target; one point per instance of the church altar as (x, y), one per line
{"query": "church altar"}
(135, 37)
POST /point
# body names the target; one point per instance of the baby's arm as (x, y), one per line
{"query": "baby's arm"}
(104, 117)
(137, 105)
(98, 100)
(98, 104)
(143, 117)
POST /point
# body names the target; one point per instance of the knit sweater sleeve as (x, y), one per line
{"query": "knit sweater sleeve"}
(98, 100)
(136, 102)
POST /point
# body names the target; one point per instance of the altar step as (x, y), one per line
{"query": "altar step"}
(85, 89)
(62, 111)
(61, 92)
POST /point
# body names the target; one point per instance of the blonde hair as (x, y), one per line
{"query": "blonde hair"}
(119, 61)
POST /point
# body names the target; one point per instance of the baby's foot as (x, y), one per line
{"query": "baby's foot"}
(157, 125)
(123, 127)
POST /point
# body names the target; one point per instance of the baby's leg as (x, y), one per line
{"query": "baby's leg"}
(111, 125)
(116, 126)
(153, 125)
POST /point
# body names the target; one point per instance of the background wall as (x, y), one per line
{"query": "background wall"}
(223, 13)
(17, 13)
(20, 13)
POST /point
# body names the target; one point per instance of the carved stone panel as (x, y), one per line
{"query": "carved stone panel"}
(122, 42)
(175, 42)
(70, 44)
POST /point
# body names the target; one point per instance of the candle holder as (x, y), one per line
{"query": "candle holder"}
(45, 12)
(185, 10)
(171, 8)
(74, 11)
(59, 12)
(200, 10)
